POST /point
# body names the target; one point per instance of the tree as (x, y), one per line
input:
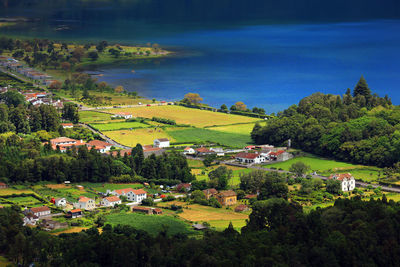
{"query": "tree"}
(333, 186)
(93, 55)
(78, 53)
(55, 85)
(13, 98)
(222, 176)
(208, 160)
(299, 168)
(361, 88)
(274, 185)
(70, 112)
(224, 108)
(66, 66)
(240, 106)
(193, 98)
(119, 89)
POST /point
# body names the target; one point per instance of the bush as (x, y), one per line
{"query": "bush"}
(168, 198)
(148, 201)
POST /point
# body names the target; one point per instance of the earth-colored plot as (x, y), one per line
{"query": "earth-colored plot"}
(71, 230)
(190, 116)
(11, 191)
(138, 136)
(57, 186)
(93, 116)
(237, 128)
(114, 126)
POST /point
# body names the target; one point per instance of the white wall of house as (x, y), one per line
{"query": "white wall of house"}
(88, 205)
(105, 202)
(161, 144)
(61, 202)
(348, 185)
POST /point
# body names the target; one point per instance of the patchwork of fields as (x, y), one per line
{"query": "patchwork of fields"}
(139, 136)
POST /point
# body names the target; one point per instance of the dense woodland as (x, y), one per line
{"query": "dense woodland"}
(351, 233)
(360, 127)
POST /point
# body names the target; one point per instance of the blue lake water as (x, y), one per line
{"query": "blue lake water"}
(235, 54)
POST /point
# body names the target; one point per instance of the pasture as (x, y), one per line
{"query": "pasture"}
(199, 135)
(189, 116)
(27, 201)
(103, 187)
(14, 191)
(113, 126)
(236, 128)
(70, 192)
(93, 116)
(138, 136)
(153, 224)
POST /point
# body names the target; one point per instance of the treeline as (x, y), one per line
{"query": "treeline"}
(28, 161)
(165, 121)
(361, 127)
(278, 233)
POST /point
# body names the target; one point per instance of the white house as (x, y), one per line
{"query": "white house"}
(39, 211)
(250, 158)
(131, 194)
(67, 125)
(348, 182)
(219, 151)
(280, 155)
(101, 146)
(111, 201)
(161, 142)
(60, 202)
(189, 151)
(85, 203)
(125, 115)
(30, 219)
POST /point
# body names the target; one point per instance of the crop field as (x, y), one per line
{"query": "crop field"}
(199, 135)
(152, 224)
(12, 191)
(113, 126)
(71, 193)
(71, 230)
(190, 116)
(138, 136)
(221, 225)
(106, 186)
(93, 116)
(327, 167)
(26, 201)
(237, 128)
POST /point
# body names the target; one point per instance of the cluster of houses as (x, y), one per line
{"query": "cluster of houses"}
(14, 65)
(65, 143)
(225, 198)
(37, 98)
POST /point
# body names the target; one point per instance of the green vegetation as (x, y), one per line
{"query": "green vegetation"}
(113, 126)
(152, 224)
(93, 116)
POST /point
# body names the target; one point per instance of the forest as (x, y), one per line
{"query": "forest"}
(359, 127)
(350, 233)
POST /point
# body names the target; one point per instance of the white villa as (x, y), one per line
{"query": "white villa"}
(189, 151)
(347, 181)
(250, 158)
(60, 202)
(161, 142)
(85, 203)
(131, 194)
(125, 115)
(111, 201)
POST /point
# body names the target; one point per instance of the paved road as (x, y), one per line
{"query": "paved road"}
(362, 184)
(109, 140)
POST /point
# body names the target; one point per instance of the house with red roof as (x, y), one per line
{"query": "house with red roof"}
(85, 203)
(38, 211)
(280, 155)
(3, 185)
(65, 143)
(67, 125)
(203, 151)
(111, 201)
(134, 195)
(184, 186)
(347, 181)
(189, 151)
(249, 158)
(75, 213)
(101, 146)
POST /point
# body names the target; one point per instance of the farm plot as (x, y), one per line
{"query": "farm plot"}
(237, 128)
(190, 116)
(138, 136)
(93, 116)
(103, 187)
(153, 224)
(113, 126)
(199, 135)
(27, 201)
(14, 191)
(57, 191)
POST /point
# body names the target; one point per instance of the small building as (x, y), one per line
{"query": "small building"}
(85, 203)
(67, 125)
(280, 155)
(52, 225)
(187, 187)
(199, 227)
(144, 210)
(101, 146)
(241, 208)
(75, 213)
(189, 151)
(60, 202)
(131, 194)
(219, 151)
(348, 183)
(227, 198)
(3, 185)
(30, 219)
(111, 201)
(124, 115)
(161, 142)
(250, 147)
(249, 158)
(157, 211)
(209, 193)
(203, 151)
(39, 211)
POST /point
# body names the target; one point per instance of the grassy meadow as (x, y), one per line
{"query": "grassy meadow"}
(94, 116)
(114, 126)
(138, 136)
(236, 128)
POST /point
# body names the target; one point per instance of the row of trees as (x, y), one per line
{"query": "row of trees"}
(352, 232)
(360, 128)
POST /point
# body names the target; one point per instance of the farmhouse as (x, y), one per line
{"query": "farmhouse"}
(142, 210)
(110, 201)
(100, 146)
(251, 158)
(64, 143)
(60, 202)
(125, 115)
(131, 194)
(189, 151)
(227, 198)
(280, 155)
(203, 151)
(161, 142)
(30, 219)
(183, 186)
(3, 185)
(39, 211)
(76, 213)
(85, 203)
(347, 181)
(219, 151)
(67, 125)
(209, 193)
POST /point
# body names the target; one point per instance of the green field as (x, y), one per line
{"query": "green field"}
(106, 186)
(26, 201)
(93, 116)
(152, 224)
(236, 128)
(114, 126)
(326, 167)
(199, 135)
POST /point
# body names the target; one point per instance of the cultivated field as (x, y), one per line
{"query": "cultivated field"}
(70, 192)
(113, 126)
(12, 191)
(153, 224)
(237, 128)
(138, 136)
(199, 135)
(103, 187)
(93, 116)
(190, 116)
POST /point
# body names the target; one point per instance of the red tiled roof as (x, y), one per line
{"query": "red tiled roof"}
(2, 184)
(67, 124)
(113, 199)
(241, 207)
(203, 150)
(98, 143)
(40, 209)
(212, 191)
(228, 193)
(123, 191)
(157, 210)
(151, 149)
(163, 139)
(75, 210)
(187, 148)
(62, 140)
(139, 192)
(247, 155)
(140, 208)
(84, 199)
(341, 176)
(277, 153)
(179, 186)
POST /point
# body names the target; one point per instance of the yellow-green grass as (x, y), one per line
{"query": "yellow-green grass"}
(121, 99)
(5, 262)
(328, 166)
(93, 116)
(138, 136)
(234, 181)
(113, 126)
(237, 128)
(200, 135)
(103, 187)
(195, 163)
(153, 224)
(12, 191)
(25, 201)
(221, 225)
(70, 192)
(190, 116)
